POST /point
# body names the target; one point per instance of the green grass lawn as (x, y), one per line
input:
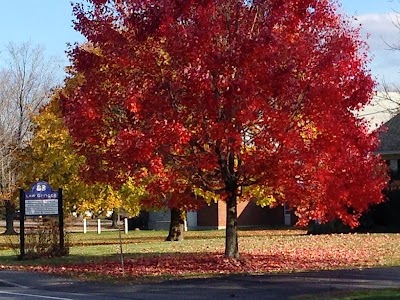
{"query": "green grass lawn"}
(92, 246)
(262, 251)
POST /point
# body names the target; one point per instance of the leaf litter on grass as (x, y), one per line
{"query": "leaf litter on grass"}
(259, 254)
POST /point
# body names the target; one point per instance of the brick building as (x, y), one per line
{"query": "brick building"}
(214, 217)
(249, 215)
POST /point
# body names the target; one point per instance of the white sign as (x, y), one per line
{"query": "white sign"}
(41, 207)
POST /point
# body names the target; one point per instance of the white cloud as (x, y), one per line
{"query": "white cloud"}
(381, 29)
(381, 34)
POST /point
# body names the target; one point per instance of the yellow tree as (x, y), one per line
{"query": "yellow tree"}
(51, 156)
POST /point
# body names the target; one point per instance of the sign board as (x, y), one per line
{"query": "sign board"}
(41, 200)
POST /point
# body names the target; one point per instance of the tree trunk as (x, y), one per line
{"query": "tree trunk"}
(176, 226)
(10, 214)
(114, 218)
(231, 235)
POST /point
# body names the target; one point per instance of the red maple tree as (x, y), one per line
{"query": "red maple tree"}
(228, 97)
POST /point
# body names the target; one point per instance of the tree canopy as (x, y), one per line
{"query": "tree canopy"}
(240, 100)
(50, 156)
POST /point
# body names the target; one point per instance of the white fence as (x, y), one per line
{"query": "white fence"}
(78, 225)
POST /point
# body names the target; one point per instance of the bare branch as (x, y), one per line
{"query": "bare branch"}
(26, 80)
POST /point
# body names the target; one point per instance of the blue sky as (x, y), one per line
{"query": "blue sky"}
(357, 7)
(44, 22)
(49, 23)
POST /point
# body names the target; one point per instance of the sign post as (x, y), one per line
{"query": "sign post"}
(40, 200)
(61, 219)
(22, 223)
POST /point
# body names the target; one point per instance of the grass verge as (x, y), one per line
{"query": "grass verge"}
(147, 255)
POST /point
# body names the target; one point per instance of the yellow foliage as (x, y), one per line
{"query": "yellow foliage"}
(52, 157)
(308, 129)
(261, 195)
(208, 196)
(163, 58)
(131, 194)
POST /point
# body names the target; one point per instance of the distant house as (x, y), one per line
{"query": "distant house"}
(384, 115)
(389, 147)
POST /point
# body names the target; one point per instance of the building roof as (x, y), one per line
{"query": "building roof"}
(390, 136)
(383, 114)
(381, 109)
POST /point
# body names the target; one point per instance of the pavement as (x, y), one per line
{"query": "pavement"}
(28, 285)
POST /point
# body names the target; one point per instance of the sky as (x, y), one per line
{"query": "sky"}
(49, 24)
(378, 19)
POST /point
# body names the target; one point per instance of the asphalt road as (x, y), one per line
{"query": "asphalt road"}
(26, 285)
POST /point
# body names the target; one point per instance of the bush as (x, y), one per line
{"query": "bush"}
(44, 240)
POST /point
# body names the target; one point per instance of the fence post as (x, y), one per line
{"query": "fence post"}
(84, 225)
(98, 226)
(126, 225)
